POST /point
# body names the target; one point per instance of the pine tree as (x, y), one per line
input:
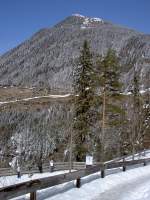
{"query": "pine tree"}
(110, 91)
(83, 88)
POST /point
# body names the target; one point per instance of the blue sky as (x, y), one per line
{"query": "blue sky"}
(19, 19)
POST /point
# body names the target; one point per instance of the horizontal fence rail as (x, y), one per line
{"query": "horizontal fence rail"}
(32, 186)
(46, 168)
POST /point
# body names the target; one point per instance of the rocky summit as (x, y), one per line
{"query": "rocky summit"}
(47, 58)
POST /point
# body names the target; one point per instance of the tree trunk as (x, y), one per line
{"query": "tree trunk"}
(70, 155)
(103, 126)
(40, 166)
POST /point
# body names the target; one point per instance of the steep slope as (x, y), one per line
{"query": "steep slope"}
(47, 58)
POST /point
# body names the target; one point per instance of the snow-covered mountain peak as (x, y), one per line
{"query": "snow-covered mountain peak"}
(91, 19)
(78, 15)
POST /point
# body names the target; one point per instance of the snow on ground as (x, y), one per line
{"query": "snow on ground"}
(141, 91)
(88, 20)
(134, 184)
(78, 15)
(140, 155)
(38, 97)
(130, 185)
(10, 180)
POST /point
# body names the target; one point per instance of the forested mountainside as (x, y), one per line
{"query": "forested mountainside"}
(43, 65)
(47, 58)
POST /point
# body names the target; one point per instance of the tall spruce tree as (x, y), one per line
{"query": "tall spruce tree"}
(84, 94)
(110, 92)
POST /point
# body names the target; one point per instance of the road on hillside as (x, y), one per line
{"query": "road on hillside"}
(139, 189)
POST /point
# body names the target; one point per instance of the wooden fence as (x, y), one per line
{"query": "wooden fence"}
(46, 168)
(42, 183)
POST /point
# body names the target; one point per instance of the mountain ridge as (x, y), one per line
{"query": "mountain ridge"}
(47, 58)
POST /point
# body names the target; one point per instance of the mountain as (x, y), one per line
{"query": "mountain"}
(47, 58)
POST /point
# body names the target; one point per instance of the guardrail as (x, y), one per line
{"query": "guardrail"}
(32, 186)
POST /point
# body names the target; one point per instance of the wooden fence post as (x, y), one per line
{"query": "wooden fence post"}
(124, 168)
(124, 165)
(33, 195)
(144, 162)
(78, 182)
(103, 171)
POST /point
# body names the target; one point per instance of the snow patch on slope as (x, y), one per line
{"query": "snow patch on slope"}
(78, 15)
(141, 91)
(88, 20)
(95, 19)
(37, 97)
